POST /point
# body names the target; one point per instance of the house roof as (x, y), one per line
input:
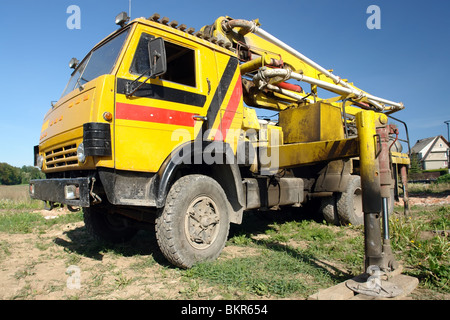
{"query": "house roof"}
(421, 144)
(424, 146)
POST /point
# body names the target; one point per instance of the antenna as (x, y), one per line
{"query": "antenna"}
(129, 8)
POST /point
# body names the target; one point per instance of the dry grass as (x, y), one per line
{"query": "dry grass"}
(15, 193)
(17, 197)
(429, 188)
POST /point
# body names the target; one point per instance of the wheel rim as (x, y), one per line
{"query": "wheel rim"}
(202, 222)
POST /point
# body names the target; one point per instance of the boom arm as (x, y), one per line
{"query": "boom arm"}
(257, 48)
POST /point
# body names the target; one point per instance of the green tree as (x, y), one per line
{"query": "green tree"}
(9, 175)
(29, 173)
(415, 164)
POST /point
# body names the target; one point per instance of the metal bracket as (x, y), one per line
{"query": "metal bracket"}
(50, 205)
(96, 198)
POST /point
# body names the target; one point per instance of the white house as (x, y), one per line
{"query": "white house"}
(433, 153)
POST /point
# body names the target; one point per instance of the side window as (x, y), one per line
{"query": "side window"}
(180, 62)
(140, 62)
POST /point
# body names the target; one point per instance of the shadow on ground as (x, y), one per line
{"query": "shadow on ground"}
(254, 223)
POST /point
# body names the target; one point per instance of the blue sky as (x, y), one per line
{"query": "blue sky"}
(407, 60)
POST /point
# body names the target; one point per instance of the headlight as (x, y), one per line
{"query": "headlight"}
(40, 161)
(80, 153)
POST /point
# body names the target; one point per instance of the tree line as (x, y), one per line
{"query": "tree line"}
(10, 175)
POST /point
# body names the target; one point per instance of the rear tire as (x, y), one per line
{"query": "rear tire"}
(349, 203)
(194, 224)
(329, 210)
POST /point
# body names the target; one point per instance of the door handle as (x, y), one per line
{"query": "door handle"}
(197, 117)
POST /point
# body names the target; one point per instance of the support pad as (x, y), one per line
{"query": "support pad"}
(341, 291)
(374, 287)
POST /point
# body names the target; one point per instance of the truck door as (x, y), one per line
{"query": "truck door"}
(164, 112)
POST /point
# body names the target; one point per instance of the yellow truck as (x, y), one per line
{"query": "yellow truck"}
(157, 126)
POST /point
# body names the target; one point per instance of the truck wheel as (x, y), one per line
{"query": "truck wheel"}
(329, 210)
(104, 226)
(194, 225)
(349, 203)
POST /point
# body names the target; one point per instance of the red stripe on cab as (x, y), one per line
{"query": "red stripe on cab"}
(230, 111)
(135, 112)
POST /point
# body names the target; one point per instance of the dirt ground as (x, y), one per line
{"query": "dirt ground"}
(427, 200)
(45, 266)
(61, 264)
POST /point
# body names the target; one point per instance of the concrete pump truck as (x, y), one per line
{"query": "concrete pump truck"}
(157, 126)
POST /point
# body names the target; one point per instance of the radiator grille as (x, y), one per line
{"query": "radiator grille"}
(62, 157)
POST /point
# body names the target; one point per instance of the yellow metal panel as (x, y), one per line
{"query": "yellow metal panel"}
(316, 122)
(275, 135)
(250, 119)
(63, 124)
(400, 158)
(300, 154)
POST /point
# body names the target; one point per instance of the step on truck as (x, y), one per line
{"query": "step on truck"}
(157, 127)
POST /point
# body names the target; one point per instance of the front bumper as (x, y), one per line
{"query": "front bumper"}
(56, 191)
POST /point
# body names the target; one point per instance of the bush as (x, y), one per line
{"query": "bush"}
(444, 179)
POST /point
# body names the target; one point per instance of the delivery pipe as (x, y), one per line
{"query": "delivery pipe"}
(268, 37)
(287, 93)
(252, 27)
(261, 78)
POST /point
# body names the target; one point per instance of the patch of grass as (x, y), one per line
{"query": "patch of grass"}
(429, 188)
(444, 179)
(241, 240)
(324, 242)
(426, 257)
(17, 198)
(280, 272)
(27, 222)
(4, 250)
(441, 220)
(121, 280)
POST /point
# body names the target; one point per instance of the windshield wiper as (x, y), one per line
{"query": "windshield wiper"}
(79, 83)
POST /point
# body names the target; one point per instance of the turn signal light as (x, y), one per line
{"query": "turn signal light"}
(107, 116)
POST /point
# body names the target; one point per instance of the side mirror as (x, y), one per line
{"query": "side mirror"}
(158, 64)
(157, 56)
(73, 63)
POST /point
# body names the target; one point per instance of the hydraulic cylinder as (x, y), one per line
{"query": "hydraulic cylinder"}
(370, 186)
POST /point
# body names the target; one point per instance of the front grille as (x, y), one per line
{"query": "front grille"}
(61, 157)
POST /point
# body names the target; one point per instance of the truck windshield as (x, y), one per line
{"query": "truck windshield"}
(98, 62)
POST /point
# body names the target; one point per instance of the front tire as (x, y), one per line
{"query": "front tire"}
(194, 224)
